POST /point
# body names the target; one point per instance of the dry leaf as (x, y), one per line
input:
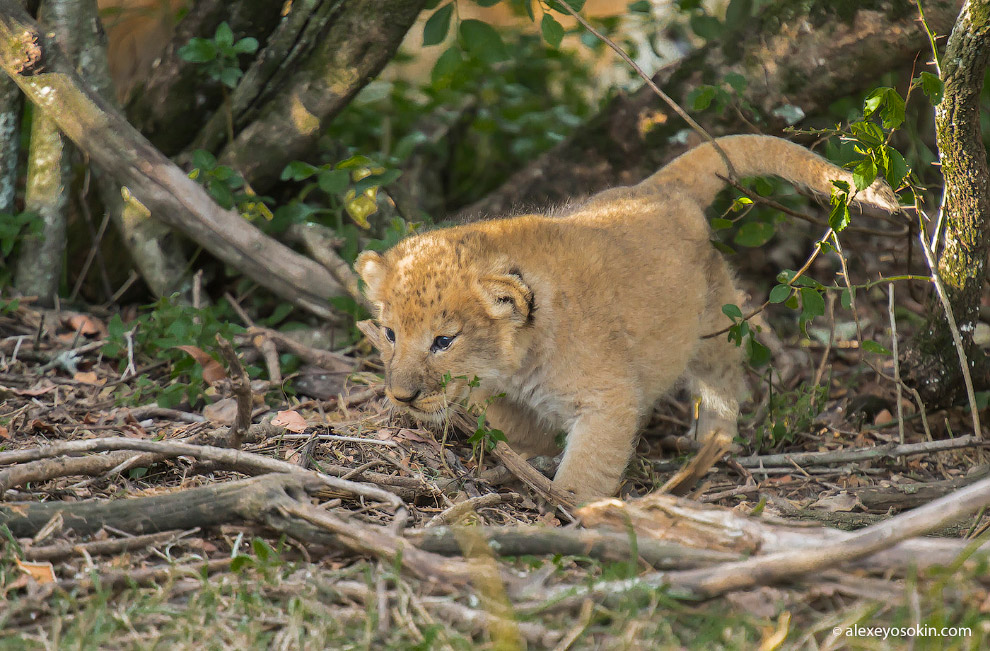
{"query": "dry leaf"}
(883, 417)
(85, 325)
(88, 377)
(844, 502)
(222, 412)
(213, 371)
(290, 420)
(4, 433)
(39, 390)
(42, 572)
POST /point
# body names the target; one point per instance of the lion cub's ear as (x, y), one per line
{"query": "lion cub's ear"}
(370, 265)
(507, 297)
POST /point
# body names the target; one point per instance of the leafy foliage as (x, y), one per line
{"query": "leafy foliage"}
(219, 55)
(157, 333)
(790, 413)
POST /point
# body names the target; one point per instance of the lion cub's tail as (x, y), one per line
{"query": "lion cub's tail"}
(701, 171)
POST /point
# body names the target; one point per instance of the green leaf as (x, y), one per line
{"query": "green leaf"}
(723, 248)
(735, 80)
(557, 5)
(732, 311)
(701, 98)
(932, 86)
(198, 50)
(757, 353)
(846, 298)
(436, 28)
(297, 170)
(792, 302)
(221, 193)
(240, 562)
(873, 347)
(838, 216)
(864, 174)
(376, 180)
(754, 234)
(447, 64)
(780, 293)
(720, 223)
(248, 45)
(812, 303)
(705, 26)
(738, 13)
(224, 36)
(262, 549)
(896, 168)
(230, 76)
(889, 102)
(640, 7)
(481, 40)
(867, 133)
(764, 188)
(553, 32)
(486, 3)
(357, 161)
(334, 182)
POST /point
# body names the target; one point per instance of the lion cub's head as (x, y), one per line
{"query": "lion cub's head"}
(450, 310)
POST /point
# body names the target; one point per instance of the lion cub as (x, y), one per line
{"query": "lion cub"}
(585, 320)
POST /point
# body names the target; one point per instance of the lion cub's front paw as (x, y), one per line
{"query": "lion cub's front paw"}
(588, 483)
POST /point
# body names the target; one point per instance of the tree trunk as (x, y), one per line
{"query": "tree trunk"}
(934, 364)
(781, 55)
(154, 248)
(49, 174)
(354, 41)
(10, 142)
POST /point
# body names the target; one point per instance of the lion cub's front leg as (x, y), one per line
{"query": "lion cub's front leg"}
(526, 435)
(599, 447)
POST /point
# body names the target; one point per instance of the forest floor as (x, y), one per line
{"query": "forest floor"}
(127, 525)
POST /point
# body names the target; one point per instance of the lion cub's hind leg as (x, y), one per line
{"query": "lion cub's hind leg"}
(715, 375)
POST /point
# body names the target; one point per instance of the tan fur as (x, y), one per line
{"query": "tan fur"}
(583, 321)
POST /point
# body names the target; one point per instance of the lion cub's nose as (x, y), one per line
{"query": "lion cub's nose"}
(405, 398)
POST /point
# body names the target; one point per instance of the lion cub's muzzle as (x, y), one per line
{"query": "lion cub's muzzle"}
(424, 404)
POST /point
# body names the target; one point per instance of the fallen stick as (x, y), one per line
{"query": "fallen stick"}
(883, 535)
(888, 451)
(235, 459)
(100, 547)
(45, 469)
(205, 506)
(833, 549)
(380, 542)
(602, 544)
(458, 511)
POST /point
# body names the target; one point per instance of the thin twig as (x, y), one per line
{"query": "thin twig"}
(458, 511)
(897, 363)
(953, 329)
(887, 451)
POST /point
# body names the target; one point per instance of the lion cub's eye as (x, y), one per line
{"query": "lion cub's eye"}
(441, 343)
(390, 335)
